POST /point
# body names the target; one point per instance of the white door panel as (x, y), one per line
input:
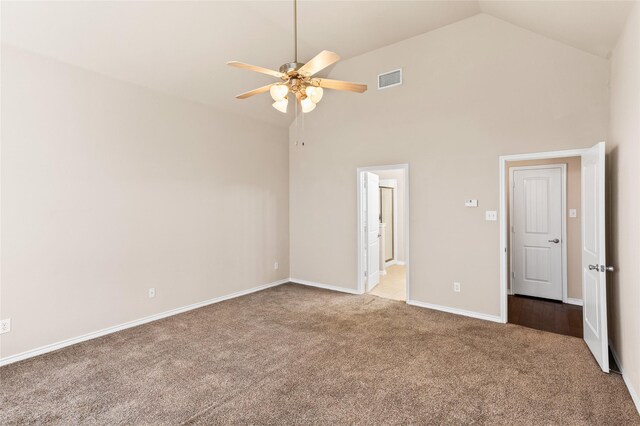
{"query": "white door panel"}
(594, 280)
(373, 229)
(537, 211)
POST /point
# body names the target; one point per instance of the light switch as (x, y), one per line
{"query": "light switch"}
(491, 215)
(573, 213)
(471, 203)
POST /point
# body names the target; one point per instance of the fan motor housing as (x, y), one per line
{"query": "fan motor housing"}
(290, 67)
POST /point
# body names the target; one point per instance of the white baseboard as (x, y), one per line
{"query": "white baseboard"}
(472, 314)
(632, 391)
(572, 301)
(325, 286)
(383, 272)
(400, 262)
(72, 341)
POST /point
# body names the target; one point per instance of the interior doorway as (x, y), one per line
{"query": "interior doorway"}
(529, 249)
(383, 225)
(544, 227)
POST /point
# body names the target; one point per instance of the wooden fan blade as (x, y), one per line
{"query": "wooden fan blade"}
(255, 68)
(318, 63)
(341, 85)
(255, 92)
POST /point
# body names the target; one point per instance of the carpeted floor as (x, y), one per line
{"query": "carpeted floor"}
(299, 355)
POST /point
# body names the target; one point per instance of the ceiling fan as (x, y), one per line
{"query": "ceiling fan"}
(297, 78)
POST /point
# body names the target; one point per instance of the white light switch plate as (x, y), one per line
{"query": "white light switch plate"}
(491, 215)
(573, 213)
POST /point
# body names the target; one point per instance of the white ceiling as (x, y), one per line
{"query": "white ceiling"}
(181, 48)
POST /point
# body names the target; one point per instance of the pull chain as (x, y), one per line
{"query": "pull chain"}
(297, 128)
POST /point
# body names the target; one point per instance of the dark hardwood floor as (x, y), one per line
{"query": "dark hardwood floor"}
(547, 315)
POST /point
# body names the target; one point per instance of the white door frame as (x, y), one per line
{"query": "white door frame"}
(360, 279)
(504, 255)
(563, 225)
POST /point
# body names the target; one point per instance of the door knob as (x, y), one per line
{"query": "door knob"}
(555, 240)
(607, 268)
(594, 267)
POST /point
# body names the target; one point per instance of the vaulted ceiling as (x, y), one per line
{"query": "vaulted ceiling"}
(181, 48)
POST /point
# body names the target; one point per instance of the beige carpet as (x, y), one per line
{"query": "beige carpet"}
(298, 355)
(393, 285)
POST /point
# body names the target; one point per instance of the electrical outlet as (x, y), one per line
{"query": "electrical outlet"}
(456, 287)
(491, 215)
(276, 266)
(152, 292)
(5, 326)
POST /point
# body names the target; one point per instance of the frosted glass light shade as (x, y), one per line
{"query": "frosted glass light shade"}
(281, 105)
(307, 105)
(278, 92)
(315, 93)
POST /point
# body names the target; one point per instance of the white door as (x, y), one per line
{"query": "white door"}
(536, 230)
(373, 229)
(594, 280)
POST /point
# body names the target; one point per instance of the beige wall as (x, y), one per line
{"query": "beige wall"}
(624, 204)
(574, 232)
(473, 91)
(109, 189)
(398, 175)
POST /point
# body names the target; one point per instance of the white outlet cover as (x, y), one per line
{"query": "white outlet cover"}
(456, 287)
(491, 215)
(573, 213)
(152, 292)
(5, 326)
(276, 266)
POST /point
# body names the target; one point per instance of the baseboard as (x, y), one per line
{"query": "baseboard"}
(72, 341)
(509, 292)
(400, 262)
(572, 301)
(383, 272)
(472, 314)
(630, 388)
(325, 286)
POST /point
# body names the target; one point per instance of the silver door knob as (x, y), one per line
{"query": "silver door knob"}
(608, 268)
(594, 267)
(555, 240)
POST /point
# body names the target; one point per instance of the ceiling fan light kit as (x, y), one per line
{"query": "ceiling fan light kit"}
(297, 78)
(281, 105)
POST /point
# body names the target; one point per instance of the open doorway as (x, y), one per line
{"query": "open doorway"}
(544, 244)
(383, 231)
(537, 266)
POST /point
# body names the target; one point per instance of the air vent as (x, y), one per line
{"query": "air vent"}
(390, 79)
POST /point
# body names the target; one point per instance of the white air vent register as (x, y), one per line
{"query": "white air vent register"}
(390, 79)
